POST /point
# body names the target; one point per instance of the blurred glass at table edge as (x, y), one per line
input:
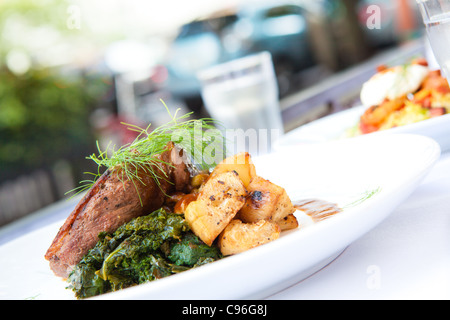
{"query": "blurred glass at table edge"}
(242, 94)
(436, 17)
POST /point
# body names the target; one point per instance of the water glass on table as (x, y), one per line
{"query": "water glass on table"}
(436, 17)
(242, 95)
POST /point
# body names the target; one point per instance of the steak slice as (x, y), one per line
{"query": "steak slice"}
(112, 201)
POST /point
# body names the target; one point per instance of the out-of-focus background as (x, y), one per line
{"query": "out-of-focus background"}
(72, 70)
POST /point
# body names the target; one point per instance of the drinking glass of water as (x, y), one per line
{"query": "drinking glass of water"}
(436, 16)
(242, 94)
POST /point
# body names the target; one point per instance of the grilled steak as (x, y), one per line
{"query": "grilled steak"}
(112, 201)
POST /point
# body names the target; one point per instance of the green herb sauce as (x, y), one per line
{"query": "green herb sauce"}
(145, 249)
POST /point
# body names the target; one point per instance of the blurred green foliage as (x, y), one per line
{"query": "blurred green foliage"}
(43, 117)
(44, 112)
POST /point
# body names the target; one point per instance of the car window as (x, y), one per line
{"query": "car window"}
(193, 28)
(207, 25)
(221, 22)
(282, 11)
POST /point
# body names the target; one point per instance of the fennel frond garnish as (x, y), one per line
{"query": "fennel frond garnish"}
(199, 139)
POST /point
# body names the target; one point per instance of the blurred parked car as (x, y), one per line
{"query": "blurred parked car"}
(197, 46)
(279, 27)
(275, 26)
(298, 33)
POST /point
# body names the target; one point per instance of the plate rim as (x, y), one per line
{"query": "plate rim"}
(357, 110)
(428, 161)
(282, 242)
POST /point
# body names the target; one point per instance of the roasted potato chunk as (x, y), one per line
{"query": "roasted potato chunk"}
(287, 223)
(265, 201)
(238, 236)
(221, 197)
(241, 163)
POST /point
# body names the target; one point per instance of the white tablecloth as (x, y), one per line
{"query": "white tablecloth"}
(407, 256)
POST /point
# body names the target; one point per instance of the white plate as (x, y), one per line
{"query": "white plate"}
(334, 126)
(341, 172)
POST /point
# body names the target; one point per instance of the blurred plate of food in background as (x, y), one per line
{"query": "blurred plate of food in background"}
(409, 98)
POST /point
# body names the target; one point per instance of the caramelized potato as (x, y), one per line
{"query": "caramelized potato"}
(287, 223)
(241, 163)
(199, 179)
(238, 236)
(266, 201)
(183, 202)
(221, 197)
